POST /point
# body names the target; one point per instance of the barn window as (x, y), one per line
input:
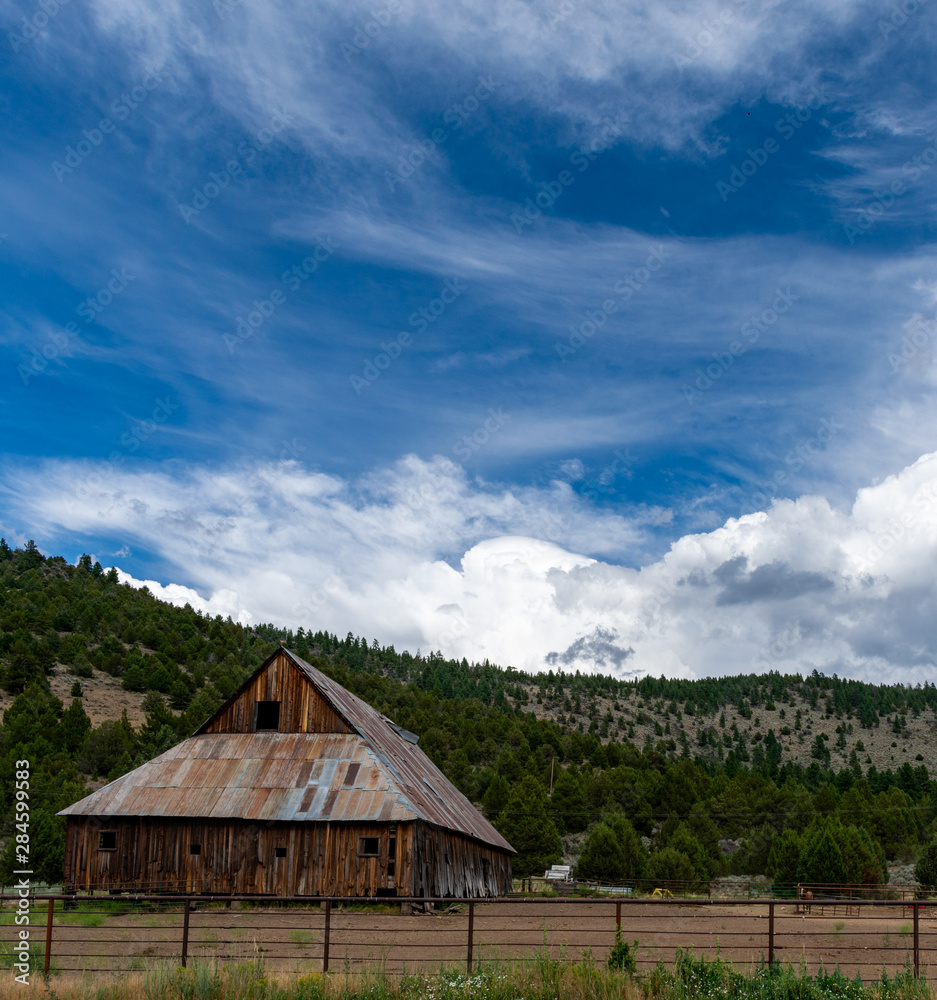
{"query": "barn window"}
(392, 852)
(268, 715)
(280, 852)
(195, 849)
(369, 847)
(107, 840)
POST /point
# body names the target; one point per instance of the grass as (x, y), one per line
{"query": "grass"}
(302, 938)
(545, 978)
(904, 930)
(82, 919)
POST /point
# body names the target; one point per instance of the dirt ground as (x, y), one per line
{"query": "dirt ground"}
(102, 696)
(291, 938)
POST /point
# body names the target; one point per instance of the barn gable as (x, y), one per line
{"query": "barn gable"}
(278, 697)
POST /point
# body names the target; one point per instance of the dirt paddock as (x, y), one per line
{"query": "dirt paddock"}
(115, 935)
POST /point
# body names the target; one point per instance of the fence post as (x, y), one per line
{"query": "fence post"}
(917, 942)
(770, 935)
(471, 935)
(48, 937)
(325, 940)
(185, 933)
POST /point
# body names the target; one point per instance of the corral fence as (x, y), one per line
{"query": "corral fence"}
(81, 934)
(727, 888)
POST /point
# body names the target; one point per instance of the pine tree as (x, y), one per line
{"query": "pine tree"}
(526, 824)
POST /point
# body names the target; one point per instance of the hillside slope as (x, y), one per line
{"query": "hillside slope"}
(98, 677)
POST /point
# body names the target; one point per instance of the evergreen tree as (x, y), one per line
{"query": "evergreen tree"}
(925, 871)
(496, 796)
(526, 824)
(821, 860)
(602, 858)
(568, 804)
(671, 865)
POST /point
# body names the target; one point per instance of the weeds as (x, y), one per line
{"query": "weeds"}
(548, 977)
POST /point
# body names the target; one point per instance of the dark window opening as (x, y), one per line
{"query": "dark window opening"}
(485, 871)
(446, 856)
(268, 715)
(391, 869)
(195, 849)
(369, 847)
(392, 854)
(280, 852)
(107, 840)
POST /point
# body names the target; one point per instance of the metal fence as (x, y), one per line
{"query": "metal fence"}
(302, 935)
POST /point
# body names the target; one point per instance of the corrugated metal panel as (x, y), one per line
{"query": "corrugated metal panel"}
(212, 779)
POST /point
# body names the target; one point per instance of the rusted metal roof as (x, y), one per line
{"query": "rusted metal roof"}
(376, 774)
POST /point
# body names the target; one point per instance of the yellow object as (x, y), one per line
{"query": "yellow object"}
(662, 892)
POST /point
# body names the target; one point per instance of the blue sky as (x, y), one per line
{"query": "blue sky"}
(487, 327)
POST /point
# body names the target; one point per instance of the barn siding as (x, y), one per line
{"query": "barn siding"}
(236, 857)
(464, 874)
(302, 708)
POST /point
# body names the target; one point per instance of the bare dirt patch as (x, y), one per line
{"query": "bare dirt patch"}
(290, 938)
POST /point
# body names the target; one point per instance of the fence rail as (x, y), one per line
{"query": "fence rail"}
(304, 934)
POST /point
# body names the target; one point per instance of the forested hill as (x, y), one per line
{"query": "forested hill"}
(657, 773)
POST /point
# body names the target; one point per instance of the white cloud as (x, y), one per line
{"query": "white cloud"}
(420, 555)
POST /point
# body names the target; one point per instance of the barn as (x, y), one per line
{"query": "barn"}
(295, 787)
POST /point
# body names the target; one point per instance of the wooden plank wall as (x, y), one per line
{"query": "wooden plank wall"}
(302, 708)
(447, 864)
(236, 857)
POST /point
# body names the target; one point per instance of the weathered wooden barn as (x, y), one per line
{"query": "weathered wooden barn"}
(293, 787)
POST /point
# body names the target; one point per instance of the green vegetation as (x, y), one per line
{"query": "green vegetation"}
(659, 810)
(546, 978)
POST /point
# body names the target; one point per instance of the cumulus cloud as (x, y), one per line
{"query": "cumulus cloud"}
(419, 555)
